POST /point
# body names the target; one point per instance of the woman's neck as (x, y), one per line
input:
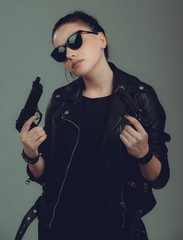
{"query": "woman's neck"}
(100, 83)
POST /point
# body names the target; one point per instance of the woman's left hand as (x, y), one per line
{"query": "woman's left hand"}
(135, 140)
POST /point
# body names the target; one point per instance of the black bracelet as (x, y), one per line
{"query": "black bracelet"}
(30, 160)
(147, 158)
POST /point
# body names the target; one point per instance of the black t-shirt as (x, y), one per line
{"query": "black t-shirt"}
(84, 191)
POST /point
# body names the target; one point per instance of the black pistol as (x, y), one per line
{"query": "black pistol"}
(31, 106)
(135, 111)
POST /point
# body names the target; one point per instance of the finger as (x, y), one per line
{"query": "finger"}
(124, 140)
(35, 132)
(33, 140)
(133, 132)
(28, 123)
(29, 138)
(40, 140)
(135, 122)
(127, 135)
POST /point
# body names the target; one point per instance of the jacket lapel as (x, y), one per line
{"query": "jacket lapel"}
(116, 112)
(117, 107)
(71, 97)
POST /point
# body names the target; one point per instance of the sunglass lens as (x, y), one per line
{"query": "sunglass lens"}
(59, 54)
(75, 41)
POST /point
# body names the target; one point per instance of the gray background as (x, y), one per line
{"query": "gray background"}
(145, 39)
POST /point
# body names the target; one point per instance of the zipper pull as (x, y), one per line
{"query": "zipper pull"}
(145, 189)
(123, 205)
(27, 182)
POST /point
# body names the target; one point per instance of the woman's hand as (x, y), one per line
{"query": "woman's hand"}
(31, 139)
(135, 140)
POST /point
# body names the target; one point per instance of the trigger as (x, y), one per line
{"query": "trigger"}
(37, 121)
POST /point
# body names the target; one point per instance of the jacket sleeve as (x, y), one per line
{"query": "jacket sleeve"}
(153, 110)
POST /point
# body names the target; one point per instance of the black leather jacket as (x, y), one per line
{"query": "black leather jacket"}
(63, 129)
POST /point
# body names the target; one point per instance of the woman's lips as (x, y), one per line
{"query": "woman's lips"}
(75, 64)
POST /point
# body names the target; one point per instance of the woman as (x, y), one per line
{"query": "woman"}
(98, 164)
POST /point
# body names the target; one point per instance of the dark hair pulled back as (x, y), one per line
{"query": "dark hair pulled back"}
(87, 20)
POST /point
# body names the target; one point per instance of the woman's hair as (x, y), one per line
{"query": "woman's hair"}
(87, 20)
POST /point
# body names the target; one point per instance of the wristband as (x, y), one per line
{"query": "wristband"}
(30, 160)
(147, 158)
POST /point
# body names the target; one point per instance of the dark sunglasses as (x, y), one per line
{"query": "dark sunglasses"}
(73, 42)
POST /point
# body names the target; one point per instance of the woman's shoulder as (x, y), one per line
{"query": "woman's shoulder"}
(131, 83)
(69, 89)
(68, 92)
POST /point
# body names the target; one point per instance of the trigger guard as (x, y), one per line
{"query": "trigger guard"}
(38, 120)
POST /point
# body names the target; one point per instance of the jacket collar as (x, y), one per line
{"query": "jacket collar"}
(72, 94)
(74, 90)
(71, 91)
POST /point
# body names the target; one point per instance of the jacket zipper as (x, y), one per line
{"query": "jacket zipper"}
(122, 203)
(66, 172)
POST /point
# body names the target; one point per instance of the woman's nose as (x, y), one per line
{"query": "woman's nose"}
(70, 53)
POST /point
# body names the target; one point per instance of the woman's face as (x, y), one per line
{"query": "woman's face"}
(83, 61)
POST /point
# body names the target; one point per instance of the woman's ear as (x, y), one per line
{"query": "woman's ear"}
(102, 39)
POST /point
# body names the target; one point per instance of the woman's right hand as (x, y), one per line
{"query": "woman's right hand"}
(31, 139)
